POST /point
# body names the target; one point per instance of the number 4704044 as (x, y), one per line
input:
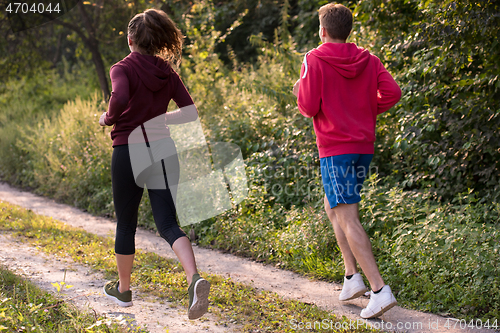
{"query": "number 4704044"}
(23, 7)
(463, 324)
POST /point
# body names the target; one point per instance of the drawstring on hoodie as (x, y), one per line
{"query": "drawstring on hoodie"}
(305, 65)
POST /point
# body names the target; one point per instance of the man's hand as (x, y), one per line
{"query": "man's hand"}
(101, 120)
(296, 88)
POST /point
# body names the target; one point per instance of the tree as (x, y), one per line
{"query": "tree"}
(90, 41)
(444, 134)
(98, 28)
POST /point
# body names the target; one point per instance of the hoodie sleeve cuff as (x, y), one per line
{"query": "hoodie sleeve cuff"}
(106, 120)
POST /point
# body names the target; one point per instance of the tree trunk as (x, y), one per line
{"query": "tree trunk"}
(58, 50)
(93, 45)
(99, 66)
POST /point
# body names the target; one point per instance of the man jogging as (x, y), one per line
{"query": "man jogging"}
(343, 88)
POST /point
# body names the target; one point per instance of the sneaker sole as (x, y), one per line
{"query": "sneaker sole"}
(116, 300)
(200, 299)
(382, 310)
(356, 295)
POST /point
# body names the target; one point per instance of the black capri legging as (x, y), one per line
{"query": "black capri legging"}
(127, 197)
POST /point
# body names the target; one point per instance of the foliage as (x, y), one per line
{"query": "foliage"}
(24, 52)
(229, 107)
(440, 142)
(253, 107)
(445, 132)
(74, 167)
(26, 102)
(258, 17)
(443, 135)
(443, 258)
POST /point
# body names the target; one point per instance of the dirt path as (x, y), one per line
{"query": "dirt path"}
(285, 283)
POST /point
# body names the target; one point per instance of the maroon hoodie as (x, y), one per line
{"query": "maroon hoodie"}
(344, 87)
(143, 85)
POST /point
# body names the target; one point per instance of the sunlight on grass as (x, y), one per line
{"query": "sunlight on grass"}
(26, 308)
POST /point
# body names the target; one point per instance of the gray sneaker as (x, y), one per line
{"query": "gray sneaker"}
(122, 299)
(198, 297)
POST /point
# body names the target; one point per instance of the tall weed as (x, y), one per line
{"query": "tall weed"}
(68, 157)
(27, 101)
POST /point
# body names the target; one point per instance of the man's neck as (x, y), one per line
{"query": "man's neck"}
(335, 41)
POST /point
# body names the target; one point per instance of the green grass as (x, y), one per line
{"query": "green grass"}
(240, 303)
(26, 308)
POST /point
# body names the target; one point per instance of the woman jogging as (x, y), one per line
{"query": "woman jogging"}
(143, 84)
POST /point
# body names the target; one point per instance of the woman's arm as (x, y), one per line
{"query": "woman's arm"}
(183, 115)
(119, 96)
(187, 111)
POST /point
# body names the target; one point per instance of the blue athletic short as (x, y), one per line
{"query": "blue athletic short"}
(343, 177)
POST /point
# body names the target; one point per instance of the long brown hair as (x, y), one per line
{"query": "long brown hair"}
(156, 34)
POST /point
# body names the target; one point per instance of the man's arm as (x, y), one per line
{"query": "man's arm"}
(308, 90)
(388, 93)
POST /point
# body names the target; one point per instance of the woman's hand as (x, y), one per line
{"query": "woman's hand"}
(101, 120)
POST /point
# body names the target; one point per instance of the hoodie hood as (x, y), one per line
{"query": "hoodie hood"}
(153, 71)
(347, 59)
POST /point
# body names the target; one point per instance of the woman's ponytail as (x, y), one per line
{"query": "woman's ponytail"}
(156, 34)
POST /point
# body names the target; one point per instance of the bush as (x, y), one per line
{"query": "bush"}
(74, 164)
(445, 131)
(27, 101)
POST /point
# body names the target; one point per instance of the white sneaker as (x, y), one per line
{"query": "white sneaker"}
(379, 303)
(353, 288)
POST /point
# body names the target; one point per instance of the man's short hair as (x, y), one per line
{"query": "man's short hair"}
(336, 19)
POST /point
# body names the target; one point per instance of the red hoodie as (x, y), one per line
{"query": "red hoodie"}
(344, 87)
(143, 85)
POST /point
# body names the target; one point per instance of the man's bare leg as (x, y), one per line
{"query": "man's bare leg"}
(347, 217)
(349, 260)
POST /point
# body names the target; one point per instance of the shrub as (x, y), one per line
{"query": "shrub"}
(68, 157)
(29, 100)
(445, 131)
